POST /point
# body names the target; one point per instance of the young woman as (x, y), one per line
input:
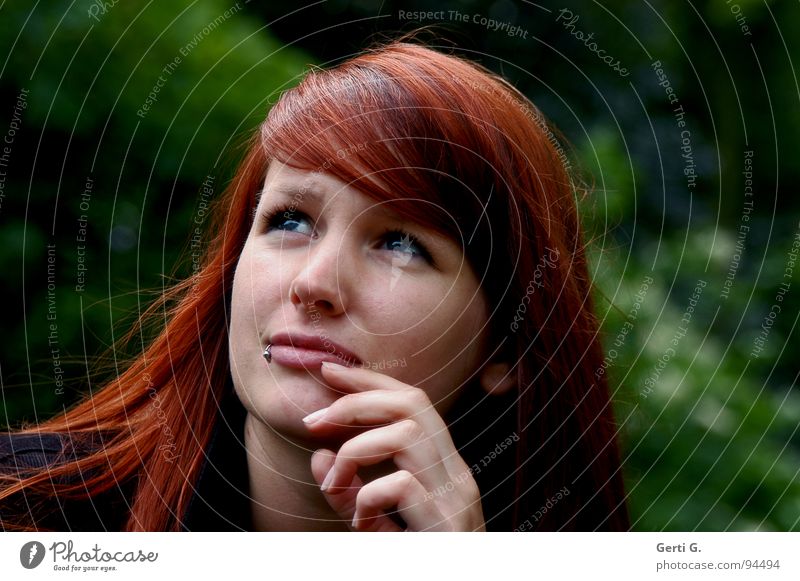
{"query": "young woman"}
(392, 329)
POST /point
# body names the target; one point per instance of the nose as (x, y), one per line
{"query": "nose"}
(322, 283)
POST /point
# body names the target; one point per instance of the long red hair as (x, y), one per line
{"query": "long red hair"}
(406, 123)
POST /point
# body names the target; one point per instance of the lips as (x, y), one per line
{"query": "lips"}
(309, 351)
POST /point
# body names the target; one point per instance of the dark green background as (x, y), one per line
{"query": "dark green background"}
(713, 445)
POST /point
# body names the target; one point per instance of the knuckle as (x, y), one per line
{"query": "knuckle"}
(405, 479)
(418, 397)
(404, 475)
(366, 496)
(411, 430)
(471, 489)
(339, 407)
(346, 453)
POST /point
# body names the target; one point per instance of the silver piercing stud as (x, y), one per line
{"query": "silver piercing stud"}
(267, 354)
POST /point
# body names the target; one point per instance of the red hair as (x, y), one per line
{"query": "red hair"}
(405, 123)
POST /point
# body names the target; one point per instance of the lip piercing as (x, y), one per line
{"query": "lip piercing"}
(267, 354)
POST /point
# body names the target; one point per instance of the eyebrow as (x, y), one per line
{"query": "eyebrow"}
(313, 192)
(316, 194)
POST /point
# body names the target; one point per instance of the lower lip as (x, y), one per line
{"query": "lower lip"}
(304, 358)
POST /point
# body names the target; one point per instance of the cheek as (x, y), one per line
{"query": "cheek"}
(451, 332)
(242, 294)
(440, 324)
(256, 288)
(406, 306)
(455, 351)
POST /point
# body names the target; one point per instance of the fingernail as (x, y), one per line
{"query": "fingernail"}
(328, 480)
(332, 365)
(315, 416)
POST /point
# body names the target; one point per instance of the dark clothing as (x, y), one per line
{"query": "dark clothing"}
(221, 501)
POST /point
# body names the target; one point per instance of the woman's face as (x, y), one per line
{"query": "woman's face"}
(326, 273)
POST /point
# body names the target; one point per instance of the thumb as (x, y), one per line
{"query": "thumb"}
(343, 502)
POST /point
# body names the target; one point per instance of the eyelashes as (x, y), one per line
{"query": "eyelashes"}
(406, 242)
(287, 218)
(277, 218)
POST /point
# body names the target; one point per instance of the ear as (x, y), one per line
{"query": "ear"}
(496, 379)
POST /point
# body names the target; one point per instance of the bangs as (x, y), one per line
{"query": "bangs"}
(396, 132)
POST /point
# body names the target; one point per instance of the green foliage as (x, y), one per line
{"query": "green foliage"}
(707, 438)
(709, 434)
(110, 179)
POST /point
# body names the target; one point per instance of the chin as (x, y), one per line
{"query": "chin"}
(290, 400)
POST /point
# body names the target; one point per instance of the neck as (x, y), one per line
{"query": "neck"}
(285, 496)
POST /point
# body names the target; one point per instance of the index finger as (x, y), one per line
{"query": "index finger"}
(358, 379)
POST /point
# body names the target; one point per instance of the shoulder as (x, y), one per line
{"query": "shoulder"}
(19, 452)
(23, 455)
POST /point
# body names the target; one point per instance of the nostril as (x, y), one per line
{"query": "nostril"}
(314, 296)
(320, 305)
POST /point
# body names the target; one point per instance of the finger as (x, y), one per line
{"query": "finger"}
(403, 442)
(321, 462)
(403, 491)
(382, 407)
(371, 408)
(344, 502)
(357, 379)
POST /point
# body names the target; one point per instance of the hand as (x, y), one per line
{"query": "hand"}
(433, 488)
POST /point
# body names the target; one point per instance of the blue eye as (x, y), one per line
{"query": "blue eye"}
(290, 221)
(399, 241)
(287, 219)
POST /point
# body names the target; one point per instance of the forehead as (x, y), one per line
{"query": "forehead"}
(397, 195)
(301, 189)
(321, 189)
(282, 178)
